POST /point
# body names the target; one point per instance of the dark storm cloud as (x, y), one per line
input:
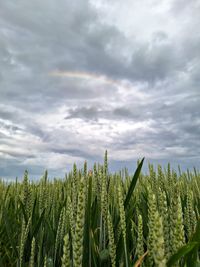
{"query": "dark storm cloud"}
(94, 113)
(84, 112)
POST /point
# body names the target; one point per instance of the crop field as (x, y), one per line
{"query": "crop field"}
(97, 218)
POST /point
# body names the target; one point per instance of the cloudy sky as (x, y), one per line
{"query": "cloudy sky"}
(79, 77)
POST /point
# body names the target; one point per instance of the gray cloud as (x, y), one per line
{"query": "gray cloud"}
(94, 113)
(145, 104)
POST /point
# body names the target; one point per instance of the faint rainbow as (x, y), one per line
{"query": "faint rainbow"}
(89, 76)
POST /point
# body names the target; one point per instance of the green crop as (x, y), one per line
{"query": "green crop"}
(97, 218)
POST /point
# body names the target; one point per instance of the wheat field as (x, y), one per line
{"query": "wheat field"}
(97, 218)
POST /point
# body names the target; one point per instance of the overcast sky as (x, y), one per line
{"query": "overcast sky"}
(79, 77)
